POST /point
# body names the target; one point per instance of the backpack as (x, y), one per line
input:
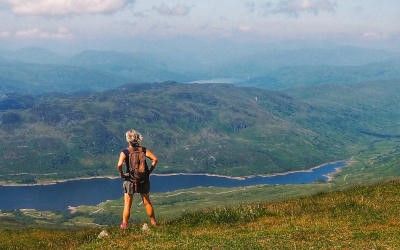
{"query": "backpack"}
(138, 169)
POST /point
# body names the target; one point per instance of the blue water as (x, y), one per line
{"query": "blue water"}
(90, 192)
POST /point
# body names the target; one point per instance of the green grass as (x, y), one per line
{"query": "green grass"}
(379, 161)
(359, 217)
(168, 206)
(172, 205)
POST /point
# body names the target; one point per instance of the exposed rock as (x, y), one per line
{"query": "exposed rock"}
(145, 227)
(103, 234)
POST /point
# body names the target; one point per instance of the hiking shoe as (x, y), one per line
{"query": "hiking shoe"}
(123, 226)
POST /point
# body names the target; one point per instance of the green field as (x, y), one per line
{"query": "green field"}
(359, 217)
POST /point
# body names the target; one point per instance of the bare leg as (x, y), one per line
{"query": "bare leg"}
(149, 208)
(127, 208)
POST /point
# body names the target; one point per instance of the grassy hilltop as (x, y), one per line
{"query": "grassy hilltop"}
(360, 217)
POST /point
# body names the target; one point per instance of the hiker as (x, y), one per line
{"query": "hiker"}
(136, 179)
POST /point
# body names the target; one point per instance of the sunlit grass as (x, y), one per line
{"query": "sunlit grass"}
(359, 218)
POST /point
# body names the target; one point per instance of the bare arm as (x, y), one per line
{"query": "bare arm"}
(153, 159)
(120, 162)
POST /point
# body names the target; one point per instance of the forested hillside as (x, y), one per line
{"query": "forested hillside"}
(193, 128)
(374, 105)
(213, 128)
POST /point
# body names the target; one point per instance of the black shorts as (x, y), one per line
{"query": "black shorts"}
(141, 188)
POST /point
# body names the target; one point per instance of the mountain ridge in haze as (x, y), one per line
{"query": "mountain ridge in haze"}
(270, 68)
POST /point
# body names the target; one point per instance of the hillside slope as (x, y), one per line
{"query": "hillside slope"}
(374, 105)
(139, 67)
(360, 218)
(213, 128)
(30, 78)
(193, 128)
(316, 75)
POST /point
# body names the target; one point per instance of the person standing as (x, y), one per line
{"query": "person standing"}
(136, 178)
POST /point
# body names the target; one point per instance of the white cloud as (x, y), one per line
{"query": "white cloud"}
(296, 7)
(177, 10)
(64, 7)
(35, 33)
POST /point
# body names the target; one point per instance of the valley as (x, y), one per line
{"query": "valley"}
(194, 128)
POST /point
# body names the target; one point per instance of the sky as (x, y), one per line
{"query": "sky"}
(115, 24)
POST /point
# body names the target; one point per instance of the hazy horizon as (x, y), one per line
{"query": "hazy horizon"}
(136, 25)
(197, 41)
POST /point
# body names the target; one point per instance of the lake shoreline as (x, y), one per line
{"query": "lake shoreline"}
(54, 182)
(332, 175)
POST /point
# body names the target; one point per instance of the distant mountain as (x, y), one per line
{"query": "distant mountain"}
(343, 56)
(212, 128)
(39, 70)
(35, 71)
(192, 127)
(33, 55)
(372, 108)
(42, 78)
(135, 66)
(263, 62)
(303, 76)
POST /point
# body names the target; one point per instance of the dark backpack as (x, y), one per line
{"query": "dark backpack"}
(138, 169)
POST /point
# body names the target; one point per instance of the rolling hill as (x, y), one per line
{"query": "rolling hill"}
(33, 55)
(211, 128)
(302, 76)
(374, 104)
(37, 70)
(33, 78)
(138, 67)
